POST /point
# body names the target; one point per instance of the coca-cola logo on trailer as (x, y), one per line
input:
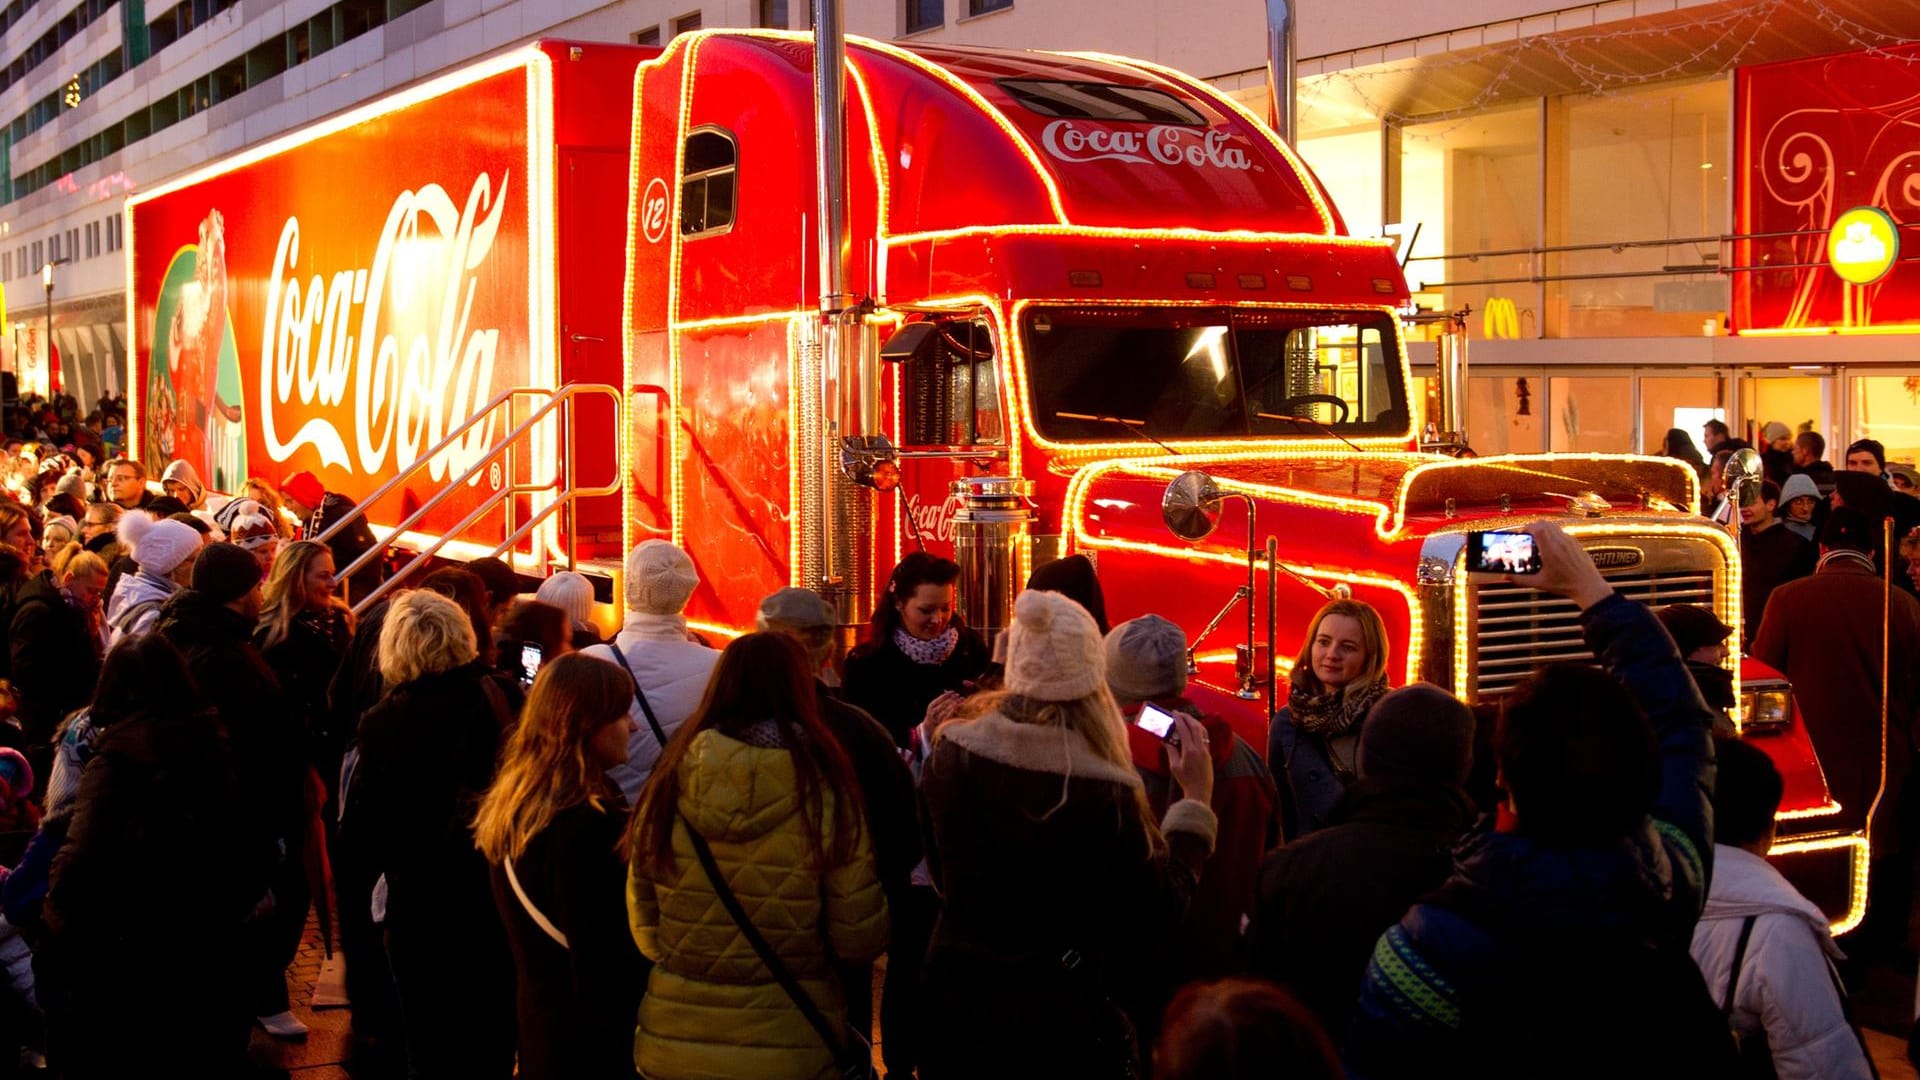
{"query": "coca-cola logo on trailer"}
(1163, 144)
(395, 335)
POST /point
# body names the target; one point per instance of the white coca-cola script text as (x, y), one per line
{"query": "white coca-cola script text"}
(1162, 143)
(395, 333)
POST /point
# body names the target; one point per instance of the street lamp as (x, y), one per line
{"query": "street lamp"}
(46, 344)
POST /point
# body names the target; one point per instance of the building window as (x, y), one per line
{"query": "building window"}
(925, 15)
(649, 36)
(981, 7)
(707, 183)
(686, 24)
(773, 14)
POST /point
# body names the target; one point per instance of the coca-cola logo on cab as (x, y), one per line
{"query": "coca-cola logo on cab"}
(1163, 144)
(394, 337)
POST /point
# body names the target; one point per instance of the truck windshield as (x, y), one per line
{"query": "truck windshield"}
(1213, 373)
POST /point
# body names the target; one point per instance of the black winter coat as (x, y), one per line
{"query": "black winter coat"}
(305, 662)
(1326, 898)
(577, 1003)
(55, 657)
(146, 905)
(893, 815)
(427, 755)
(1051, 903)
(246, 697)
(896, 691)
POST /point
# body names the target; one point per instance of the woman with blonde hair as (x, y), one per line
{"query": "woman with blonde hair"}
(1315, 742)
(304, 630)
(427, 752)
(747, 854)
(1051, 863)
(550, 828)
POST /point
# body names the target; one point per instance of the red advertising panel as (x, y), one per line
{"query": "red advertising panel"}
(1828, 154)
(340, 300)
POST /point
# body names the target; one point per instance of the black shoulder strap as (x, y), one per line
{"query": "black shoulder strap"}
(767, 956)
(640, 695)
(1739, 961)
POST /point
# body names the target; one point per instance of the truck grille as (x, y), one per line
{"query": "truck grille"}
(1517, 629)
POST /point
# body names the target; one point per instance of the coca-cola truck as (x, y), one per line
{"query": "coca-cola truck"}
(1002, 305)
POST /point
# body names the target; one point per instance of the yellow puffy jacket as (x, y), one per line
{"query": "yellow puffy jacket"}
(712, 1009)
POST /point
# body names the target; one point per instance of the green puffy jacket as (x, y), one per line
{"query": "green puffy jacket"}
(712, 1009)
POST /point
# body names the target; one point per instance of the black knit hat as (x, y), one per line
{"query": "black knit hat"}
(224, 573)
(1418, 733)
(1692, 626)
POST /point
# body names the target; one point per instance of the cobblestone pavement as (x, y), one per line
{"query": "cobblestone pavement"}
(324, 1053)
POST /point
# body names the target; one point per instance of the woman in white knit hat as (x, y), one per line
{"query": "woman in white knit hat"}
(573, 594)
(1050, 862)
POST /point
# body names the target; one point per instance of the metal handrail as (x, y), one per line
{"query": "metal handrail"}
(567, 493)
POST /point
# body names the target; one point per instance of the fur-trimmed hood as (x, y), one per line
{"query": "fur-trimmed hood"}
(1043, 748)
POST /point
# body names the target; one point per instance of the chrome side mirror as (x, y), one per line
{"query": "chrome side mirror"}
(1191, 506)
(1742, 474)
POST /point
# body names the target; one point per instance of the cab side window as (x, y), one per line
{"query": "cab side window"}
(707, 188)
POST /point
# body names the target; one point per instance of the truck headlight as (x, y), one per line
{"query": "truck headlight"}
(1766, 710)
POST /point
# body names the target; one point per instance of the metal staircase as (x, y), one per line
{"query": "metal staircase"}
(552, 406)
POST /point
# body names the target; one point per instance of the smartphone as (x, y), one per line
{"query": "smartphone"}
(1502, 553)
(1158, 721)
(530, 654)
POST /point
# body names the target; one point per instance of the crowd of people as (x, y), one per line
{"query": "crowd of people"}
(555, 853)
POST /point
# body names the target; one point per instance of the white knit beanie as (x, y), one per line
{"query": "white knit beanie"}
(1146, 659)
(158, 546)
(660, 578)
(571, 593)
(1054, 651)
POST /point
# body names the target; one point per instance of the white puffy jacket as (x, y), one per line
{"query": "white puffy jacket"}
(134, 590)
(1788, 986)
(674, 673)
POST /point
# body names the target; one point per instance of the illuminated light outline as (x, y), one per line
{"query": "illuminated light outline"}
(1859, 864)
(539, 129)
(1416, 637)
(1203, 91)
(1193, 447)
(1823, 331)
(1118, 232)
(542, 303)
(882, 187)
(794, 460)
(728, 632)
(1075, 505)
(678, 484)
(1825, 809)
(628, 455)
(992, 112)
(728, 321)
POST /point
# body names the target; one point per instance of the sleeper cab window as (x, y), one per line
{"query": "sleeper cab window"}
(707, 188)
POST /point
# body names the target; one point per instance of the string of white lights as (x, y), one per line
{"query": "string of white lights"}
(1734, 32)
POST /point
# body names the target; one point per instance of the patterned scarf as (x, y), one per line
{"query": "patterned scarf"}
(1330, 713)
(931, 652)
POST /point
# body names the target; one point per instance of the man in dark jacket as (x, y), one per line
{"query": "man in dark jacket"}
(55, 656)
(318, 510)
(1770, 555)
(1808, 450)
(1702, 640)
(211, 623)
(1326, 898)
(1562, 932)
(1147, 665)
(893, 824)
(1823, 632)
